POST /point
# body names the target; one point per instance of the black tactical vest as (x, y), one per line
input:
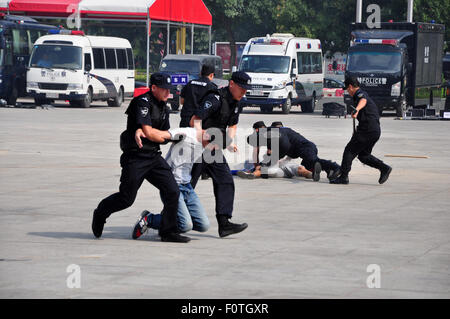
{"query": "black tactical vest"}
(158, 116)
(219, 119)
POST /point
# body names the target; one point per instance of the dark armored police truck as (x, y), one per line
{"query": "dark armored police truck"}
(398, 64)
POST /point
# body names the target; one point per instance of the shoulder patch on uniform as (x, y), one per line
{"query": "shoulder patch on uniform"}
(360, 95)
(144, 111)
(208, 104)
(144, 98)
(217, 97)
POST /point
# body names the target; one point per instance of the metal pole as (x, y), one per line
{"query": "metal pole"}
(192, 38)
(209, 29)
(148, 46)
(358, 11)
(409, 17)
(168, 37)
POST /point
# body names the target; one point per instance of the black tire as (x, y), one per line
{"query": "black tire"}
(266, 109)
(286, 108)
(12, 98)
(86, 102)
(308, 107)
(118, 100)
(41, 101)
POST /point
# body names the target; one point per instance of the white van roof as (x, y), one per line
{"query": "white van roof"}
(278, 44)
(89, 40)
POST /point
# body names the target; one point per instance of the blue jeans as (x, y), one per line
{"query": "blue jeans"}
(191, 214)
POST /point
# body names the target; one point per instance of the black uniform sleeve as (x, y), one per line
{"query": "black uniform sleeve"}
(143, 111)
(234, 116)
(210, 105)
(165, 126)
(183, 91)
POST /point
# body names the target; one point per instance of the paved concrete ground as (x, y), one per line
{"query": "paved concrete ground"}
(305, 239)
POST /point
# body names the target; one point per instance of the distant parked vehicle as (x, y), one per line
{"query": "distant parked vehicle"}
(332, 88)
(17, 35)
(186, 67)
(80, 69)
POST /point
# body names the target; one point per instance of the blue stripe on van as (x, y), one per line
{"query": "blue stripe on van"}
(109, 85)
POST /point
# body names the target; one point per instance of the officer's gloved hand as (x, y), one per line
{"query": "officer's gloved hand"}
(177, 138)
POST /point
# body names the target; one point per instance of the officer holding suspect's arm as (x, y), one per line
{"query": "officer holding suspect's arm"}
(150, 113)
(365, 137)
(220, 110)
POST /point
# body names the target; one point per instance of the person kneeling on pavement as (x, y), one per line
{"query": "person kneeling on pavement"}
(283, 168)
(287, 142)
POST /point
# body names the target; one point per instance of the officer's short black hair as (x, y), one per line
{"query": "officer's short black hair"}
(258, 125)
(277, 124)
(353, 81)
(207, 69)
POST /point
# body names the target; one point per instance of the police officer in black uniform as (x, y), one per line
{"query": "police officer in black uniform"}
(193, 92)
(366, 135)
(149, 112)
(293, 144)
(219, 111)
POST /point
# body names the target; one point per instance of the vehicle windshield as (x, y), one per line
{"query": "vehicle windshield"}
(265, 64)
(380, 62)
(180, 66)
(56, 57)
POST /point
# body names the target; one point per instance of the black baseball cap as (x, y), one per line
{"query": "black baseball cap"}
(161, 80)
(242, 79)
(258, 125)
(276, 123)
(350, 81)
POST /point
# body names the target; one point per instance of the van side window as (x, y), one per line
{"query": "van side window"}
(87, 61)
(304, 62)
(121, 58)
(316, 62)
(110, 55)
(21, 42)
(130, 59)
(99, 58)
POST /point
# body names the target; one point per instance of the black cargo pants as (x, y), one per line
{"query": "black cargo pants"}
(361, 145)
(223, 183)
(136, 168)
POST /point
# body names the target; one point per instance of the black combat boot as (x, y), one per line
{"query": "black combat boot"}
(98, 222)
(342, 179)
(384, 173)
(227, 228)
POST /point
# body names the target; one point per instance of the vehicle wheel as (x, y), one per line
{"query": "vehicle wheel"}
(118, 100)
(86, 102)
(12, 98)
(266, 109)
(286, 108)
(41, 101)
(308, 107)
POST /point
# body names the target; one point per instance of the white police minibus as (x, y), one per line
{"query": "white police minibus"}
(80, 69)
(285, 70)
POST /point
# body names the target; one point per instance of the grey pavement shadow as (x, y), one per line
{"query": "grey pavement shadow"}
(117, 233)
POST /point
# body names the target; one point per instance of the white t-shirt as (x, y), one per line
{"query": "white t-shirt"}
(182, 155)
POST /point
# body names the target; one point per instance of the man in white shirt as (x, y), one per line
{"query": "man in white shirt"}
(187, 148)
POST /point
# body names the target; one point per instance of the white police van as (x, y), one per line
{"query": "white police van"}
(285, 71)
(80, 69)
